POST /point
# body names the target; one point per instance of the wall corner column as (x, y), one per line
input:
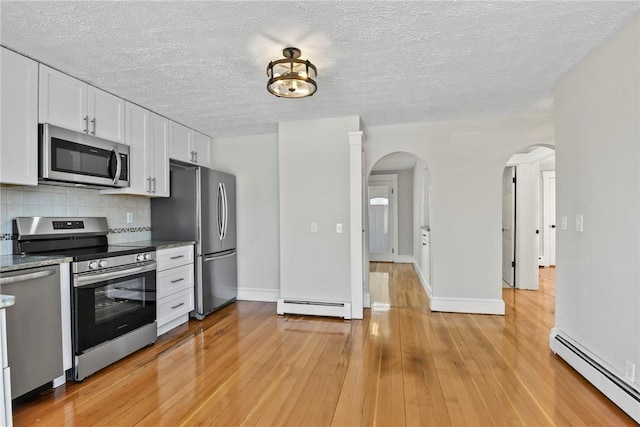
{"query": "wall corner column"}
(356, 145)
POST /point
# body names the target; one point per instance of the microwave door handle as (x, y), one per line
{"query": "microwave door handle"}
(118, 166)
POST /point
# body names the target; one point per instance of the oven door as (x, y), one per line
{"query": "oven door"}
(111, 303)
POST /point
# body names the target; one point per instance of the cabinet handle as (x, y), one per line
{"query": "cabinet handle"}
(149, 185)
(86, 124)
(195, 156)
(424, 244)
(93, 122)
(153, 180)
(176, 306)
(178, 280)
(177, 257)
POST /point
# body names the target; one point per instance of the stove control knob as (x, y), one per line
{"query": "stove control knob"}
(93, 265)
(140, 257)
(102, 263)
(147, 256)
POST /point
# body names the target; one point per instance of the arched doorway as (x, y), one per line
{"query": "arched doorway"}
(397, 217)
(528, 216)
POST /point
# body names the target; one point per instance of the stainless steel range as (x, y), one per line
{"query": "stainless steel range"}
(113, 288)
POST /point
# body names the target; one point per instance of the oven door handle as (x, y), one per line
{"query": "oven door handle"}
(88, 279)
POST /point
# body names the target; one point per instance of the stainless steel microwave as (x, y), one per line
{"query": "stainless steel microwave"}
(75, 158)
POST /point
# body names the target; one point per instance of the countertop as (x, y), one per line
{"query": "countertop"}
(159, 244)
(21, 262)
(7, 301)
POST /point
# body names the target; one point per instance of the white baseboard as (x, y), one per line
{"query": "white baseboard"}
(404, 259)
(603, 377)
(314, 308)
(367, 300)
(258, 294)
(468, 305)
(425, 282)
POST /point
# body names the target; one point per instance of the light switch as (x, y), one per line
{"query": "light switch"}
(338, 228)
(314, 227)
(579, 223)
(563, 223)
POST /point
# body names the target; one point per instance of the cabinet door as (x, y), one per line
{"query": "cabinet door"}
(18, 119)
(106, 115)
(63, 100)
(137, 137)
(159, 154)
(202, 147)
(180, 142)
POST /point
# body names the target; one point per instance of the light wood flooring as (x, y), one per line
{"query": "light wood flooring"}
(401, 365)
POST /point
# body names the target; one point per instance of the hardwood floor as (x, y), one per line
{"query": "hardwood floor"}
(401, 365)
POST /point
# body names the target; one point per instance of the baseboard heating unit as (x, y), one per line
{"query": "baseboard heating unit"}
(314, 308)
(611, 385)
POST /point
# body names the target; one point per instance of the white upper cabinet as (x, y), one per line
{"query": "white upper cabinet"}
(106, 115)
(180, 142)
(159, 156)
(189, 146)
(18, 119)
(73, 104)
(202, 149)
(147, 135)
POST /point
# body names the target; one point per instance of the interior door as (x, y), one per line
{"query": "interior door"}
(380, 222)
(549, 209)
(508, 225)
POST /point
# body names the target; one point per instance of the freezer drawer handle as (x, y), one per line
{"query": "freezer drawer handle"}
(176, 306)
(213, 258)
(177, 257)
(25, 277)
(178, 280)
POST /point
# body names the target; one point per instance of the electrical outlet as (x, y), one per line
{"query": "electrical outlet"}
(338, 228)
(129, 217)
(314, 227)
(629, 371)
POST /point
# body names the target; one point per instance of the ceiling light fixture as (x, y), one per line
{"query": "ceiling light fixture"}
(292, 77)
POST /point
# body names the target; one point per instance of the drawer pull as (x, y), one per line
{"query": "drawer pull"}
(178, 280)
(176, 306)
(177, 257)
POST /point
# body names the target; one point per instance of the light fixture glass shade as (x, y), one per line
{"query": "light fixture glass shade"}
(291, 77)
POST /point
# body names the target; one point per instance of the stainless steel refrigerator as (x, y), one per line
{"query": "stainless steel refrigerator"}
(202, 208)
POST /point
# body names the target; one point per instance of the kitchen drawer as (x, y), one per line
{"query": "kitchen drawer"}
(174, 306)
(174, 280)
(174, 257)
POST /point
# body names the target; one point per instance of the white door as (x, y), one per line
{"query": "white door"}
(202, 147)
(508, 225)
(159, 158)
(180, 142)
(380, 222)
(549, 220)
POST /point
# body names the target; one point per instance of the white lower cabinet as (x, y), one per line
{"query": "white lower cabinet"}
(174, 287)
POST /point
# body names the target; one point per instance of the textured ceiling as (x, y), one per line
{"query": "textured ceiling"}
(203, 63)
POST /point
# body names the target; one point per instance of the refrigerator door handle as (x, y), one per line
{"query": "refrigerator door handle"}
(219, 209)
(225, 216)
(221, 256)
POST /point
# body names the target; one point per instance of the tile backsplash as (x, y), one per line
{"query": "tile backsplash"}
(51, 200)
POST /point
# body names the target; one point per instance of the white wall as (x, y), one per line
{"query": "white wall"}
(597, 118)
(52, 200)
(466, 160)
(405, 210)
(254, 162)
(314, 187)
